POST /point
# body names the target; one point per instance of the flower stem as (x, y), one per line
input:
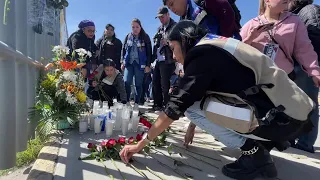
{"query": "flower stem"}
(150, 170)
(168, 167)
(138, 171)
(189, 154)
(198, 153)
(115, 165)
(154, 173)
(106, 170)
(184, 164)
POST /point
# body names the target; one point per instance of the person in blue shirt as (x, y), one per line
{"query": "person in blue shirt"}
(136, 58)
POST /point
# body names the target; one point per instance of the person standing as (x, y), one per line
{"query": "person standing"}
(309, 14)
(165, 65)
(109, 47)
(220, 17)
(84, 38)
(136, 58)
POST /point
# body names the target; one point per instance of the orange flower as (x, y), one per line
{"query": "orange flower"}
(70, 88)
(66, 65)
(48, 66)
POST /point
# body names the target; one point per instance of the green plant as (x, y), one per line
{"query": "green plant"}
(29, 155)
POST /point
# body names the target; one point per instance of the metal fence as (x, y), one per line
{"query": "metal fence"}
(20, 52)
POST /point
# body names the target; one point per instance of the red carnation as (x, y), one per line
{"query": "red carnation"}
(131, 140)
(103, 143)
(111, 143)
(148, 125)
(90, 146)
(122, 140)
(138, 137)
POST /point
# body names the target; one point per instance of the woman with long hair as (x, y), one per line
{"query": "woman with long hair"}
(283, 37)
(210, 68)
(136, 58)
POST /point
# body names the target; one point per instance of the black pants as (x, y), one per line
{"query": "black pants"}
(161, 83)
(108, 90)
(147, 79)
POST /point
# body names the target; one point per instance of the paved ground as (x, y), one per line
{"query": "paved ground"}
(292, 165)
(20, 174)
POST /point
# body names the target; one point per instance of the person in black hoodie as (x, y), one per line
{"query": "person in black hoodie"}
(109, 47)
(84, 38)
(310, 15)
(165, 64)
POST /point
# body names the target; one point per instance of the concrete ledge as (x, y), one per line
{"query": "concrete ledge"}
(45, 164)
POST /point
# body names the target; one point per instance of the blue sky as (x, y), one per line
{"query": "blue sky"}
(121, 12)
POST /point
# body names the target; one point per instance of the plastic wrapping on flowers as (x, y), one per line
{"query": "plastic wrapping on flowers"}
(60, 95)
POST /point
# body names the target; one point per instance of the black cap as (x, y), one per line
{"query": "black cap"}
(164, 2)
(163, 10)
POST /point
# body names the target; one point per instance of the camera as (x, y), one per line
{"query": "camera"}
(157, 39)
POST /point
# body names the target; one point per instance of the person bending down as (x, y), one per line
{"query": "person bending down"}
(211, 68)
(107, 84)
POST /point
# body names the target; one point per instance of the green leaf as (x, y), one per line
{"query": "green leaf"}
(170, 148)
(146, 149)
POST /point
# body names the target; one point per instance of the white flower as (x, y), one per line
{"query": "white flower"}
(60, 50)
(71, 99)
(89, 54)
(70, 76)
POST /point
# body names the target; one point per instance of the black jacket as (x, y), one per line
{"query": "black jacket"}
(112, 51)
(79, 40)
(166, 49)
(210, 68)
(310, 15)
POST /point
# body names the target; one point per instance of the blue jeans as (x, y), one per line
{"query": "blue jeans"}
(130, 71)
(307, 85)
(227, 137)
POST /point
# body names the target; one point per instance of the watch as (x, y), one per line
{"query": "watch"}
(145, 138)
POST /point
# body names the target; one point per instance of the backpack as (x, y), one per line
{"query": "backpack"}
(235, 112)
(201, 3)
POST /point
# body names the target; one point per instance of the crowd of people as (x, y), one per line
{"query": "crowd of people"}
(186, 63)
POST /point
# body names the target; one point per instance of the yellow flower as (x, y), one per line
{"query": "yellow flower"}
(51, 77)
(46, 84)
(81, 96)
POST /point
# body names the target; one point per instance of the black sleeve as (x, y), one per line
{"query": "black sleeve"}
(118, 49)
(199, 73)
(123, 51)
(98, 42)
(148, 49)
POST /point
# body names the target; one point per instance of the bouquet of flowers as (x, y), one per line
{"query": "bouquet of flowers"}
(60, 95)
(94, 77)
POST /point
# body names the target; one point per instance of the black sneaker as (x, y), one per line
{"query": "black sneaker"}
(253, 163)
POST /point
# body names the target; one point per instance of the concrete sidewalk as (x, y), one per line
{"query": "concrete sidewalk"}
(292, 165)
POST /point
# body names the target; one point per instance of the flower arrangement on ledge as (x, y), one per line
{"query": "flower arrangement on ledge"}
(60, 96)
